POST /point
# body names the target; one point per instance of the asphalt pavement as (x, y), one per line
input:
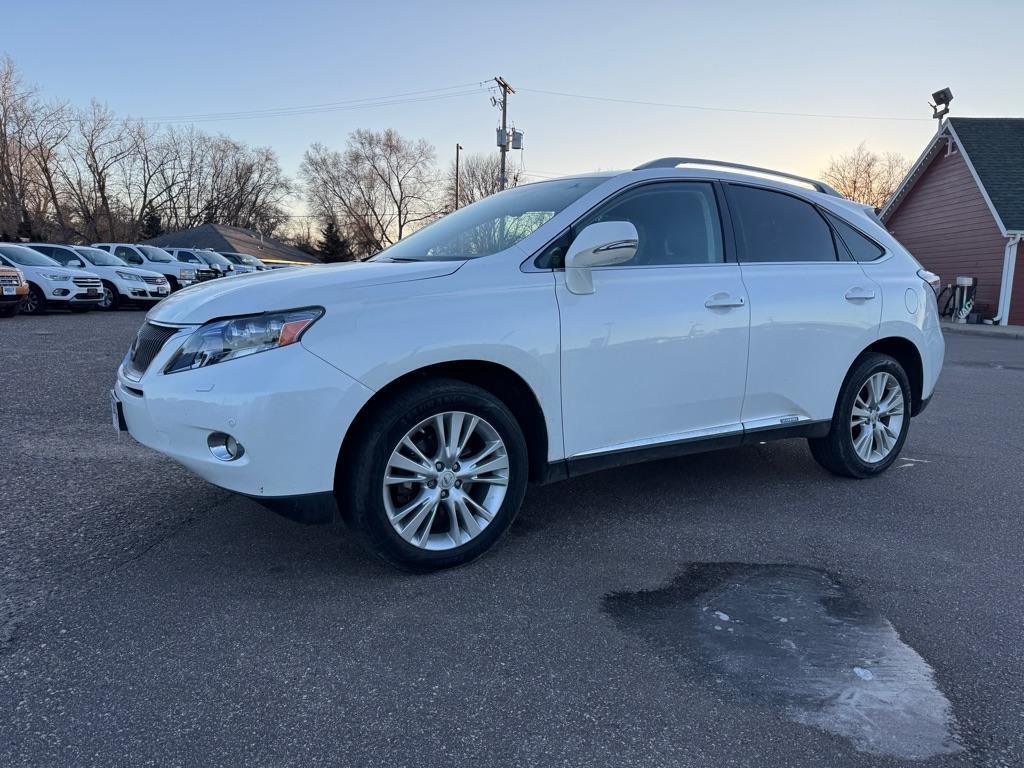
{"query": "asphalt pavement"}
(738, 608)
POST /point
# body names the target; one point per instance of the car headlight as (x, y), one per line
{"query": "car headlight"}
(130, 276)
(187, 274)
(235, 337)
(55, 277)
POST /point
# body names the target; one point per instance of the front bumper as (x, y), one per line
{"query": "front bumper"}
(287, 407)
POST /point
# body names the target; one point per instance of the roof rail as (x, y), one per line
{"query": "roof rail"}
(672, 162)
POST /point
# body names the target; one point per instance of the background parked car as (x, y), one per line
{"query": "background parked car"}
(49, 284)
(244, 262)
(13, 289)
(121, 283)
(152, 258)
(204, 260)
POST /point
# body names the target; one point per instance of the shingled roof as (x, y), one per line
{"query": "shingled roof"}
(994, 150)
(234, 240)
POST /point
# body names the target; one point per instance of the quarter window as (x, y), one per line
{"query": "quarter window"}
(859, 246)
(776, 227)
(677, 223)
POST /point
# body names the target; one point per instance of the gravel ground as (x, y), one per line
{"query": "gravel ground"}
(149, 618)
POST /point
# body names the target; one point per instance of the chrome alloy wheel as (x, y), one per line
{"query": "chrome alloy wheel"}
(107, 301)
(446, 480)
(31, 303)
(877, 418)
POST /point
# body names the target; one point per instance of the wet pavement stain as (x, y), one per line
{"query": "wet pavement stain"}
(795, 638)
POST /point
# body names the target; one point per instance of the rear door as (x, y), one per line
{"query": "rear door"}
(812, 308)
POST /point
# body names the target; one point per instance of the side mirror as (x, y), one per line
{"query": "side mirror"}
(598, 245)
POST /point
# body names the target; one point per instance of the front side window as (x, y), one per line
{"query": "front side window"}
(776, 227)
(677, 223)
(128, 254)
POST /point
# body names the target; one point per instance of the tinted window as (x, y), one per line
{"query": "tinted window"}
(128, 254)
(188, 257)
(677, 223)
(860, 247)
(44, 249)
(773, 226)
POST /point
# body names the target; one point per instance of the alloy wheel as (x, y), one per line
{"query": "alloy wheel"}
(107, 302)
(30, 304)
(446, 480)
(877, 417)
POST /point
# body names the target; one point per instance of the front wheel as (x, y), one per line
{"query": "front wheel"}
(438, 476)
(34, 303)
(871, 420)
(111, 298)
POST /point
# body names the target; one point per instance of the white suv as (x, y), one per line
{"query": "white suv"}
(540, 333)
(152, 258)
(51, 286)
(121, 283)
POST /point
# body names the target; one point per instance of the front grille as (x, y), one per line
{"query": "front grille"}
(148, 342)
(10, 280)
(154, 280)
(87, 282)
(206, 274)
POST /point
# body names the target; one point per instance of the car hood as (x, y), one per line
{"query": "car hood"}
(137, 271)
(317, 285)
(59, 271)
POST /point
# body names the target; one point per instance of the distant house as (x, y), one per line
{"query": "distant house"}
(233, 240)
(960, 210)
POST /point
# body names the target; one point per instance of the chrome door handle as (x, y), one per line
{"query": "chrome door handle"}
(724, 301)
(859, 294)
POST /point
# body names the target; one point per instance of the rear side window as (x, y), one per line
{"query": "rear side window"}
(860, 247)
(776, 227)
(188, 257)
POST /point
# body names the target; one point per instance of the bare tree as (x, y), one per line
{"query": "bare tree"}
(865, 176)
(380, 188)
(479, 177)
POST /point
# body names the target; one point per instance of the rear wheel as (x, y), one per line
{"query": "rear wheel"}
(871, 420)
(439, 476)
(34, 303)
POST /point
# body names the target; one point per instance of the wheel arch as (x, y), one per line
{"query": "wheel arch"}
(501, 381)
(906, 353)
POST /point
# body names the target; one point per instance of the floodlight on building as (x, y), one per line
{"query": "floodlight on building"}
(940, 103)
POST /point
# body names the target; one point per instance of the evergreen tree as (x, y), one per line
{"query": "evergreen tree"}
(333, 245)
(151, 225)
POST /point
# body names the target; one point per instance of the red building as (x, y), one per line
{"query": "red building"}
(960, 210)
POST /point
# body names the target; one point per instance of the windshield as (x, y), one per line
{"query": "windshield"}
(492, 224)
(155, 254)
(213, 258)
(26, 257)
(98, 257)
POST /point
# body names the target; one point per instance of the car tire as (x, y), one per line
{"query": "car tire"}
(34, 303)
(173, 283)
(111, 298)
(871, 419)
(452, 529)
(10, 310)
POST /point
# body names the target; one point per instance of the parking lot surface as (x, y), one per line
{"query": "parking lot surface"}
(739, 608)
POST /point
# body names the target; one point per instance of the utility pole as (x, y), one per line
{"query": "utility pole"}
(506, 89)
(458, 148)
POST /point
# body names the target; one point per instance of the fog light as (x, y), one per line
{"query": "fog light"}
(224, 446)
(61, 292)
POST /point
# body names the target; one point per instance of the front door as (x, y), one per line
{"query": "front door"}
(657, 354)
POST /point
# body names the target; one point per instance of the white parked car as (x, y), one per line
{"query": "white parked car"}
(243, 262)
(51, 286)
(209, 264)
(121, 283)
(540, 333)
(152, 258)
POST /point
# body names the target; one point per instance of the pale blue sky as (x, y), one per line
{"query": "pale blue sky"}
(866, 58)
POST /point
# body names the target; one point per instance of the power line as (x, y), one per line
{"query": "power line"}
(477, 87)
(706, 108)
